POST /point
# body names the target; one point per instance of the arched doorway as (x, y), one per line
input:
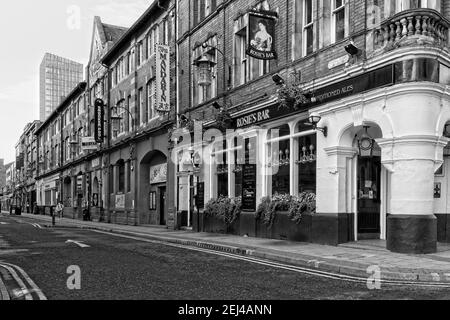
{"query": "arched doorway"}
(152, 188)
(369, 175)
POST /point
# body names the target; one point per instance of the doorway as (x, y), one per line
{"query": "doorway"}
(162, 206)
(369, 197)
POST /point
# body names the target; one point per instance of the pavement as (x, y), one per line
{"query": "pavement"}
(358, 259)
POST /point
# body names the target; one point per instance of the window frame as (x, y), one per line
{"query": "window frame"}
(293, 137)
(334, 12)
(305, 26)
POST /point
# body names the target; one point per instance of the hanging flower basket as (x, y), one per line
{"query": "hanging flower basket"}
(291, 96)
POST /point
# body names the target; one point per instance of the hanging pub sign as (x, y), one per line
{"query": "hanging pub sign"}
(99, 120)
(261, 35)
(162, 78)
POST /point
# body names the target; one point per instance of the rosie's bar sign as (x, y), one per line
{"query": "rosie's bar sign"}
(359, 84)
(261, 35)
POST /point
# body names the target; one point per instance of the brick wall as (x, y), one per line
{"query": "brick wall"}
(221, 22)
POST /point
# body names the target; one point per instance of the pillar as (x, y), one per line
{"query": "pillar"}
(412, 225)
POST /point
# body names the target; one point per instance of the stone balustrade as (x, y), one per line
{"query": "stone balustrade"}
(417, 26)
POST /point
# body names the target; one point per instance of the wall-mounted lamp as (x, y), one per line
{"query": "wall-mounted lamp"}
(204, 65)
(314, 120)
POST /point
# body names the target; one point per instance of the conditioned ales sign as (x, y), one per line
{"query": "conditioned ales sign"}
(261, 35)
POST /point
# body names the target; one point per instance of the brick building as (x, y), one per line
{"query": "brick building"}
(370, 79)
(141, 92)
(8, 189)
(2, 173)
(122, 178)
(26, 168)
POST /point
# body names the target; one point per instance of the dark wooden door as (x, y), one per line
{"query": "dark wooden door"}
(369, 174)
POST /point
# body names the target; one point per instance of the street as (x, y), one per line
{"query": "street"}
(118, 267)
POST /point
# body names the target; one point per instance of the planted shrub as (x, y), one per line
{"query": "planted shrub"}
(295, 206)
(226, 209)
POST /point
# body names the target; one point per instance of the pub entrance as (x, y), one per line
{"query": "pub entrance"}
(369, 191)
(369, 205)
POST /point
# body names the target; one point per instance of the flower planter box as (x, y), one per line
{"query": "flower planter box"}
(216, 225)
(285, 229)
(247, 224)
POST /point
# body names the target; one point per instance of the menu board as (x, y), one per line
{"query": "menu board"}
(249, 187)
(200, 198)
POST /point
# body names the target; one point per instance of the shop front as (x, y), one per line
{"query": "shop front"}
(359, 162)
(96, 190)
(47, 193)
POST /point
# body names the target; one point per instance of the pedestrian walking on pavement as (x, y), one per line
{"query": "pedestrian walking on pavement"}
(59, 209)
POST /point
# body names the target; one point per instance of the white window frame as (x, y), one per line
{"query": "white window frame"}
(244, 62)
(334, 12)
(151, 96)
(306, 26)
(293, 139)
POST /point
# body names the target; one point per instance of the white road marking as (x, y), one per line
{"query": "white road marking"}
(23, 289)
(33, 285)
(78, 243)
(319, 273)
(4, 223)
(36, 225)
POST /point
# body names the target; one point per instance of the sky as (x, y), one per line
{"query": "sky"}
(29, 29)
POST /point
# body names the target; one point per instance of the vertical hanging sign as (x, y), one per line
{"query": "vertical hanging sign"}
(99, 120)
(261, 35)
(162, 78)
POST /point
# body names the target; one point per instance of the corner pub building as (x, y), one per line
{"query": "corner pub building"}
(377, 78)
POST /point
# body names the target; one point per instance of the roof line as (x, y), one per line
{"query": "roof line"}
(142, 19)
(78, 89)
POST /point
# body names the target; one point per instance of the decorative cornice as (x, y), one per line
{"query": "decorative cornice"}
(341, 151)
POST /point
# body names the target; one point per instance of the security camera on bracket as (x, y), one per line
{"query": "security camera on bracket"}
(353, 51)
